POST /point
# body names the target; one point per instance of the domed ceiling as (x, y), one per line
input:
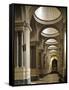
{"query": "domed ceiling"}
(51, 41)
(52, 47)
(47, 14)
(50, 32)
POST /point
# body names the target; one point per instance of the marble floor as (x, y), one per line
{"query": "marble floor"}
(50, 78)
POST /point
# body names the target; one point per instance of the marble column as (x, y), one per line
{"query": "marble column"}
(27, 62)
(17, 65)
(27, 53)
(22, 48)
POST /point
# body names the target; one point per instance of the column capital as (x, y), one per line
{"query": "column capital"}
(27, 25)
(22, 25)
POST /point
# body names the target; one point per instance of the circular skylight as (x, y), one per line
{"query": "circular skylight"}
(51, 41)
(46, 14)
(50, 32)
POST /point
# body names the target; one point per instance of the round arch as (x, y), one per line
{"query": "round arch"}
(54, 67)
(51, 66)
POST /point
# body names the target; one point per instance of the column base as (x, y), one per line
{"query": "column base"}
(27, 81)
(22, 82)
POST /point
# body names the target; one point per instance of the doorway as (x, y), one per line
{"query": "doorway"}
(54, 65)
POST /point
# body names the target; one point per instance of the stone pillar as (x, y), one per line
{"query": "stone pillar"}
(27, 53)
(22, 48)
(24, 53)
(17, 65)
(27, 62)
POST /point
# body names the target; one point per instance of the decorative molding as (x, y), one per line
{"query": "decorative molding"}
(47, 22)
(22, 25)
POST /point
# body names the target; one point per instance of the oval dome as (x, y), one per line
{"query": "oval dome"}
(50, 32)
(46, 14)
(53, 51)
(51, 41)
(52, 47)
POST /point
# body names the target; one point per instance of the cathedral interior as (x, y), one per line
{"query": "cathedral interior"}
(40, 44)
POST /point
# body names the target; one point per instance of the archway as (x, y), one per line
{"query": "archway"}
(54, 65)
